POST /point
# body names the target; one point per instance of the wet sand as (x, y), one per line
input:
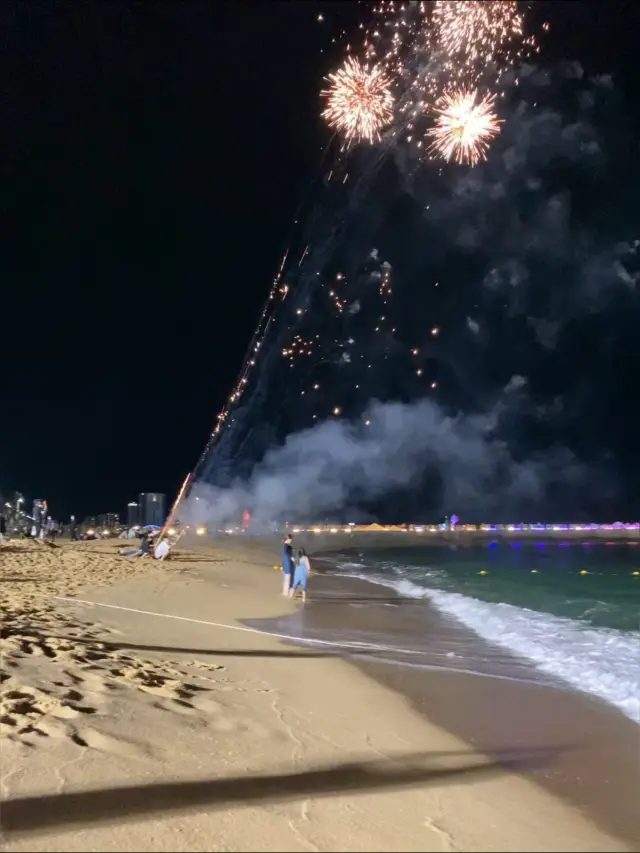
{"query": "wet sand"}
(159, 722)
(594, 760)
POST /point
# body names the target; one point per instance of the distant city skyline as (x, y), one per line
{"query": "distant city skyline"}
(149, 508)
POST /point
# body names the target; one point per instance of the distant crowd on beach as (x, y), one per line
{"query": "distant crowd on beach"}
(296, 566)
(151, 541)
(295, 569)
(28, 529)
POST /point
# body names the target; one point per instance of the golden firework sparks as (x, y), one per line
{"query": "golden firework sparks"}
(359, 101)
(476, 34)
(464, 127)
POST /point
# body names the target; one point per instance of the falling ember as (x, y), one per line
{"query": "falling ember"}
(359, 101)
(464, 127)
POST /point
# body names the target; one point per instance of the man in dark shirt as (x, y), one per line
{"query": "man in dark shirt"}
(287, 563)
(142, 551)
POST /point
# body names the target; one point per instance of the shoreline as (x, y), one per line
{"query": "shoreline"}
(594, 745)
(582, 731)
(238, 703)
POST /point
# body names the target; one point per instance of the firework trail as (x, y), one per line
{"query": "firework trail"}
(464, 127)
(385, 92)
(359, 101)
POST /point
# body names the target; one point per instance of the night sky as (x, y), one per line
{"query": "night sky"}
(153, 156)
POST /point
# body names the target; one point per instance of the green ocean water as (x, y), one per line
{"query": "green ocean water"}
(570, 609)
(592, 583)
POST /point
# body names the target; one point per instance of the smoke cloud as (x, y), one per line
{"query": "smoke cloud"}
(333, 469)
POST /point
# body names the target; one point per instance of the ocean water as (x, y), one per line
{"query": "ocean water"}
(572, 610)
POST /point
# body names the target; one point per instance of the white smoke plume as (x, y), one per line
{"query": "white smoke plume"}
(322, 471)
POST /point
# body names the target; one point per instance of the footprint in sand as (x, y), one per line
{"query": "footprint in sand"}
(72, 676)
(192, 706)
(92, 739)
(8, 724)
(54, 727)
(88, 667)
(59, 726)
(177, 706)
(33, 703)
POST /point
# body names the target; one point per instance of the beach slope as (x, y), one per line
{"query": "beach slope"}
(148, 716)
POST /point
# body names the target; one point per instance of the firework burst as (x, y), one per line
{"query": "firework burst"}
(477, 34)
(465, 125)
(359, 101)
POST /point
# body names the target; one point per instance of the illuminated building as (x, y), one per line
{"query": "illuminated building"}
(151, 508)
(133, 516)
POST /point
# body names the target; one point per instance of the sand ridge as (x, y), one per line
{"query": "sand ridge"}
(57, 672)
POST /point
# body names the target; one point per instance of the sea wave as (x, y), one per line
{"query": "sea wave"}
(600, 661)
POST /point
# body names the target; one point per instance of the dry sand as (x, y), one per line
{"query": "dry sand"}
(129, 731)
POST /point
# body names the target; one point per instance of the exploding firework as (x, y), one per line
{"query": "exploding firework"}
(477, 34)
(464, 127)
(359, 101)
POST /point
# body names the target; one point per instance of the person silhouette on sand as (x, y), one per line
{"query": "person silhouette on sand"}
(287, 563)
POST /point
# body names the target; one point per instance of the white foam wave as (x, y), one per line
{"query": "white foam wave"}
(600, 661)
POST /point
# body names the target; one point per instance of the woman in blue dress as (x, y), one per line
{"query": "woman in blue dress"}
(300, 574)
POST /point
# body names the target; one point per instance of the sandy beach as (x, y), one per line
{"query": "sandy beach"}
(152, 713)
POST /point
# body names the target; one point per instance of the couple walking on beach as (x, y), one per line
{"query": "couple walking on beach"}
(295, 569)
